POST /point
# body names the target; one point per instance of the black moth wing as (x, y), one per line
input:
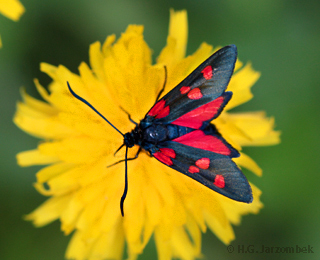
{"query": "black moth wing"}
(211, 87)
(201, 153)
(234, 185)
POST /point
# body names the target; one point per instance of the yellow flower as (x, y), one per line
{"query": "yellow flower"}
(78, 146)
(12, 9)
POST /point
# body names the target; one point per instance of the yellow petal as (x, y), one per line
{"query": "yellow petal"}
(163, 244)
(60, 76)
(254, 128)
(38, 106)
(110, 214)
(162, 178)
(49, 211)
(195, 233)
(123, 80)
(70, 215)
(96, 93)
(134, 218)
(109, 245)
(177, 39)
(240, 84)
(178, 29)
(97, 58)
(101, 200)
(182, 246)
(180, 70)
(154, 205)
(107, 45)
(245, 161)
(223, 231)
(105, 246)
(35, 157)
(78, 149)
(79, 247)
(210, 208)
(42, 91)
(34, 112)
(235, 210)
(61, 184)
(12, 9)
(51, 171)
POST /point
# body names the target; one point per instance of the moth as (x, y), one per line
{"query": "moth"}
(178, 132)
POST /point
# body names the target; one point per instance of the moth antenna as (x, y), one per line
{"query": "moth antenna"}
(129, 116)
(92, 107)
(164, 83)
(125, 184)
(126, 170)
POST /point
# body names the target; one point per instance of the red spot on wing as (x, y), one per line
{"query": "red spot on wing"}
(219, 181)
(207, 72)
(164, 112)
(164, 155)
(168, 152)
(196, 117)
(198, 139)
(193, 169)
(184, 89)
(203, 163)
(159, 110)
(195, 94)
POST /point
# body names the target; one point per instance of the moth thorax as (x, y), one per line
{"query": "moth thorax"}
(156, 133)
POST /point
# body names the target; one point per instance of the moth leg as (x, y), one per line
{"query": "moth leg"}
(128, 159)
(129, 116)
(118, 150)
(164, 83)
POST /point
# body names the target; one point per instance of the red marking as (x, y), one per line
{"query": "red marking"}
(203, 163)
(207, 72)
(168, 152)
(219, 181)
(196, 117)
(164, 155)
(193, 169)
(163, 158)
(164, 112)
(184, 89)
(198, 139)
(159, 110)
(195, 94)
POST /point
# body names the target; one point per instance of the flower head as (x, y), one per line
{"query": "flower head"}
(78, 146)
(12, 9)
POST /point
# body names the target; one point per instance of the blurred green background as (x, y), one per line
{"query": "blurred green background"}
(281, 39)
